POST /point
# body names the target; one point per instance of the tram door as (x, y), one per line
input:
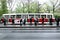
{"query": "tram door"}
(31, 16)
(43, 16)
(24, 17)
(10, 18)
(49, 16)
(17, 20)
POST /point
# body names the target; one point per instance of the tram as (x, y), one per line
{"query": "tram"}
(18, 16)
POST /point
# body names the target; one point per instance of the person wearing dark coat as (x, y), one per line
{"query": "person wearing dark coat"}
(21, 22)
(12, 21)
(42, 20)
(24, 21)
(4, 21)
(36, 21)
(50, 21)
(31, 20)
(57, 21)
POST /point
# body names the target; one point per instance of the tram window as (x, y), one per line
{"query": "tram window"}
(6, 16)
(37, 16)
(13, 16)
(49, 16)
(24, 16)
(31, 16)
(43, 16)
(18, 16)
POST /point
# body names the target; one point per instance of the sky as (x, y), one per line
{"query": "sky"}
(43, 1)
(40, 1)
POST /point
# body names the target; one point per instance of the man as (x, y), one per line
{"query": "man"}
(24, 21)
(31, 20)
(36, 21)
(21, 22)
(43, 20)
(12, 20)
(57, 21)
(50, 20)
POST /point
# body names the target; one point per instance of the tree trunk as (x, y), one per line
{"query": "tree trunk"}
(53, 9)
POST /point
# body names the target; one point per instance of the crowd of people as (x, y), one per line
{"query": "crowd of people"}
(23, 21)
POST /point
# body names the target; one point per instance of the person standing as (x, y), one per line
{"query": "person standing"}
(50, 21)
(42, 20)
(57, 21)
(12, 20)
(36, 21)
(4, 20)
(31, 21)
(21, 22)
(24, 21)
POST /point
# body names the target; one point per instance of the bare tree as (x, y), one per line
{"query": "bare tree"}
(29, 1)
(11, 4)
(38, 9)
(28, 5)
(55, 4)
(23, 3)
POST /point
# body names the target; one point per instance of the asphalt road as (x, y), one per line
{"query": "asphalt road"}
(29, 33)
(42, 34)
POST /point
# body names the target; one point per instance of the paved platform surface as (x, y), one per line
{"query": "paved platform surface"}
(26, 26)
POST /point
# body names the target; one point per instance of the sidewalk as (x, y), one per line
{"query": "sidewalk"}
(27, 26)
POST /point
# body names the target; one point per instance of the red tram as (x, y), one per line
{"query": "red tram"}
(18, 16)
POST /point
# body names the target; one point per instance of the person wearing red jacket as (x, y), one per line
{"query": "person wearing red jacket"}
(3, 20)
(42, 20)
